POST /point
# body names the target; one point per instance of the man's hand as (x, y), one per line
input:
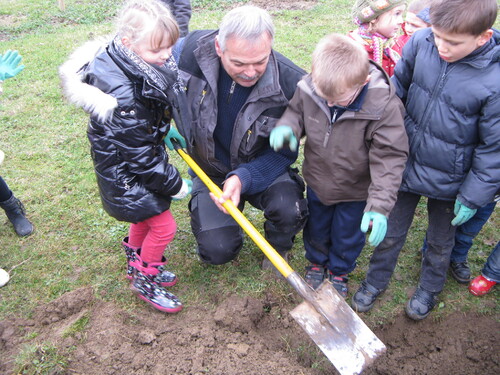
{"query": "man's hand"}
(231, 190)
(9, 64)
(462, 213)
(174, 134)
(379, 226)
(280, 135)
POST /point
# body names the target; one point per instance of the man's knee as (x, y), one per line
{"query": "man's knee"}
(219, 246)
(287, 209)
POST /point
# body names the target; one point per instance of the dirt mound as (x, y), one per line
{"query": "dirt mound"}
(240, 336)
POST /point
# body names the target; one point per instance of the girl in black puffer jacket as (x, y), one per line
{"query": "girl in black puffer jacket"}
(130, 88)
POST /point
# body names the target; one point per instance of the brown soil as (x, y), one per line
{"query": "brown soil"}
(239, 336)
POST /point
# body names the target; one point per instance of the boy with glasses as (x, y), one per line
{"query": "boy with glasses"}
(354, 155)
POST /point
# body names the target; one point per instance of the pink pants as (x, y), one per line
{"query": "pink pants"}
(153, 235)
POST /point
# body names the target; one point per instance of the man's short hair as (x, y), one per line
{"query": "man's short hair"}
(463, 16)
(338, 64)
(246, 22)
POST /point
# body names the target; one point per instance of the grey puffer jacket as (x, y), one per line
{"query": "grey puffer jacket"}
(129, 117)
(452, 121)
(361, 156)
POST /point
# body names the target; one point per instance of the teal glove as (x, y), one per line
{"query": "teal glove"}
(462, 213)
(186, 188)
(379, 226)
(174, 134)
(280, 135)
(9, 64)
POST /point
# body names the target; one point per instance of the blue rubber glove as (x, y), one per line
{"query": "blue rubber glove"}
(174, 134)
(462, 213)
(280, 135)
(186, 188)
(9, 64)
(379, 227)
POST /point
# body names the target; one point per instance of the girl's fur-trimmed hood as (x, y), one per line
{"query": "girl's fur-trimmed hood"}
(90, 98)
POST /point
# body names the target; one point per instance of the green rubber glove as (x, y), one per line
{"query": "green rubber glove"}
(9, 64)
(174, 134)
(280, 135)
(379, 226)
(186, 188)
(462, 213)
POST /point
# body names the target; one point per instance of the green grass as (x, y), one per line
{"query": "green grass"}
(76, 244)
(40, 359)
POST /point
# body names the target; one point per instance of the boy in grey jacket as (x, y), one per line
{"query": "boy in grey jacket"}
(449, 80)
(354, 155)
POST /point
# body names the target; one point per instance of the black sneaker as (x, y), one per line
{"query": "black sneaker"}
(364, 298)
(314, 276)
(339, 283)
(421, 304)
(460, 272)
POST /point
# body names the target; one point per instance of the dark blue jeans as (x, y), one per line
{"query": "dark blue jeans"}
(466, 233)
(440, 239)
(5, 192)
(332, 236)
(219, 236)
(491, 269)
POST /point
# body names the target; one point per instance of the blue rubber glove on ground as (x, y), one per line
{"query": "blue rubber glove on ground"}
(280, 135)
(174, 134)
(187, 186)
(9, 64)
(379, 227)
(462, 213)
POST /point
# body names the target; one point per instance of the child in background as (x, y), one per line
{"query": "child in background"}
(449, 80)
(131, 89)
(9, 67)
(379, 22)
(181, 10)
(417, 17)
(354, 155)
(14, 209)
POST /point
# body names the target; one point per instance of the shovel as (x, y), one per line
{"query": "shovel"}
(335, 328)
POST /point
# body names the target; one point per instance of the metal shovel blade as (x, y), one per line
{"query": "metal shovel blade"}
(338, 331)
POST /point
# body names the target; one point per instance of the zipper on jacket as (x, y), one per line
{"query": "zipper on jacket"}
(203, 93)
(249, 133)
(330, 127)
(231, 91)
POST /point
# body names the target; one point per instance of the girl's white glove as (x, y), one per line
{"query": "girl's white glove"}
(2, 155)
(186, 188)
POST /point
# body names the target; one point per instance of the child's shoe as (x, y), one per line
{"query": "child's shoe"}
(460, 272)
(164, 278)
(481, 285)
(421, 304)
(150, 291)
(4, 277)
(339, 283)
(315, 274)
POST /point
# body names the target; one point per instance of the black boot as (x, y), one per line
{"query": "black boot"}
(17, 216)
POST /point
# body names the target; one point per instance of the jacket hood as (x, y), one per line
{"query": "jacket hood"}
(89, 98)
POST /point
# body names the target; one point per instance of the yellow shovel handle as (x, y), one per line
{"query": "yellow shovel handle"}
(254, 234)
